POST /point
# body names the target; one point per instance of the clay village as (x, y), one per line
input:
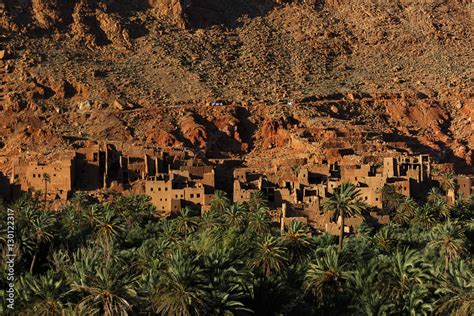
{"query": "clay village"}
(174, 179)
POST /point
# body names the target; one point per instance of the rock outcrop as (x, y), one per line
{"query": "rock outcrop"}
(172, 10)
(48, 13)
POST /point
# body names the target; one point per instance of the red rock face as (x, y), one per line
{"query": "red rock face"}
(172, 10)
(163, 139)
(274, 133)
(194, 132)
(47, 13)
(347, 80)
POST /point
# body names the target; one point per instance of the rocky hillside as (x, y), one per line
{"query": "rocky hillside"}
(327, 78)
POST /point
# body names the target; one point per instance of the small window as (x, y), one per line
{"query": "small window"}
(192, 195)
(34, 175)
(376, 199)
(159, 189)
(176, 196)
(198, 195)
(366, 198)
(181, 196)
(161, 200)
(166, 189)
(151, 189)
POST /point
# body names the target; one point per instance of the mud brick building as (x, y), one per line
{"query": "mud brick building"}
(190, 186)
(465, 185)
(411, 176)
(175, 179)
(57, 178)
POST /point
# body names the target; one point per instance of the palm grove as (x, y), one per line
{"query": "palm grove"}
(119, 258)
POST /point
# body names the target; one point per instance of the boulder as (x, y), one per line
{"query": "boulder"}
(122, 105)
(173, 10)
(84, 106)
(113, 29)
(13, 103)
(47, 13)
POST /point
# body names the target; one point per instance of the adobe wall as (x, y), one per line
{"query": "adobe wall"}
(465, 185)
(61, 178)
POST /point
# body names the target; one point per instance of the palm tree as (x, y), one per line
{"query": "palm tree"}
(438, 202)
(73, 227)
(227, 281)
(133, 209)
(270, 256)
(92, 215)
(181, 288)
(235, 216)
(418, 301)
(344, 202)
(48, 294)
(368, 298)
(406, 269)
(434, 195)
(296, 239)
(259, 221)
(405, 210)
(108, 228)
(186, 223)
(169, 231)
(425, 216)
(46, 180)
(326, 277)
(390, 198)
(463, 208)
(82, 265)
(448, 239)
(210, 221)
(384, 240)
(41, 231)
(257, 199)
(447, 182)
(151, 254)
(24, 246)
(80, 200)
(60, 260)
(443, 209)
(110, 290)
(373, 304)
(456, 290)
(220, 201)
